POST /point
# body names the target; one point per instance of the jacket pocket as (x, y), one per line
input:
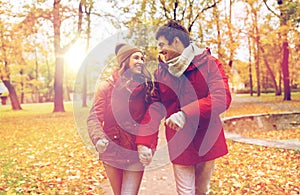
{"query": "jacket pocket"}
(112, 134)
(127, 140)
(121, 137)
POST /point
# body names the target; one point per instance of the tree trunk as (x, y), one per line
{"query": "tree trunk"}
(84, 88)
(285, 71)
(231, 49)
(22, 86)
(270, 72)
(37, 78)
(280, 81)
(59, 53)
(257, 64)
(59, 62)
(250, 67)
(58, 85)
(285, 60)
(88, 10)
(12, 95)
(219, 39)
(283, 16)
(49, 94)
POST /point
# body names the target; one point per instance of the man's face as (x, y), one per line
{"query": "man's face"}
(168, 51)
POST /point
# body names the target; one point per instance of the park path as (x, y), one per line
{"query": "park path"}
(159, 180)
(284, 107)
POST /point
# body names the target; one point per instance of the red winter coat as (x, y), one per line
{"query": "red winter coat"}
(202, 93)
(119, 106)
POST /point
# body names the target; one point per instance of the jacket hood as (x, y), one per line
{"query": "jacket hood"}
(199, 60)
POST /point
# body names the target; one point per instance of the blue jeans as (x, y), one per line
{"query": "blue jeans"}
(123, 182)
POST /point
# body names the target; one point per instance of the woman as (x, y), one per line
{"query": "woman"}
(119, 105)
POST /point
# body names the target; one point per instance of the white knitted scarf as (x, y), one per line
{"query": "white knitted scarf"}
(178, 65)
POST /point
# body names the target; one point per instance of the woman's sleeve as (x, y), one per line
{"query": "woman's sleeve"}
(96, 116)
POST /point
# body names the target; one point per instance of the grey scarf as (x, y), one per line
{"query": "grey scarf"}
(178, 65)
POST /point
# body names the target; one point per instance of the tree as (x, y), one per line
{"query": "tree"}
(220, 50)
(88, 6)
(59, 51)
(187, 13)
(270, 50)
(287, 12)
(228, 35)
(285, 59)
(257, 44)
(252, 8)
(89, 13)
(230, 28)
(157, 12)
(250, 66)
(154, 14)
(6, 50)
(277, 91)
(5, 73)
(56, 16)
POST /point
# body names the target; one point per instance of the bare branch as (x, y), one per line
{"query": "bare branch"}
(175, 7)
(273, 12)
(165, 9)
(80, 15)
(46, 14)
(191, 3)
(79, 27)
(183, 11)
(204, 9)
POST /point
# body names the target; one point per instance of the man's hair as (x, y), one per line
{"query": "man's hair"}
(173, 29)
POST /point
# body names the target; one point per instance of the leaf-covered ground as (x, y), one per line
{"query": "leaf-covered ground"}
(290, 134)
(42, 153)
(250, 169)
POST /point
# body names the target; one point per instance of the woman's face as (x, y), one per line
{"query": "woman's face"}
(136, 62)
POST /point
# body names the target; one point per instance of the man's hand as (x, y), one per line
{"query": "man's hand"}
(101, 145)
(176, 121)
(145, 154)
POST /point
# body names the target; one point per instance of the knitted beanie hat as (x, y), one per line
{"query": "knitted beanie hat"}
(123, 51)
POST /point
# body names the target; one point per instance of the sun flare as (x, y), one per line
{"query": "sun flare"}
(75, 56)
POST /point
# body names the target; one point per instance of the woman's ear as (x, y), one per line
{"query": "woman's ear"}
(122, 68)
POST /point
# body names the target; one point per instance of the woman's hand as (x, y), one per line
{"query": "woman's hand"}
(145, 154)
(101, 145)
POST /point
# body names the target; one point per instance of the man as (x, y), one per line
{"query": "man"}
(191, 92)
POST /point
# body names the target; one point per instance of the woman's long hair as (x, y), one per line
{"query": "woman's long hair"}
(145, 77)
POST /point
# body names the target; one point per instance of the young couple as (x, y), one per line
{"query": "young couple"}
(190, 91)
